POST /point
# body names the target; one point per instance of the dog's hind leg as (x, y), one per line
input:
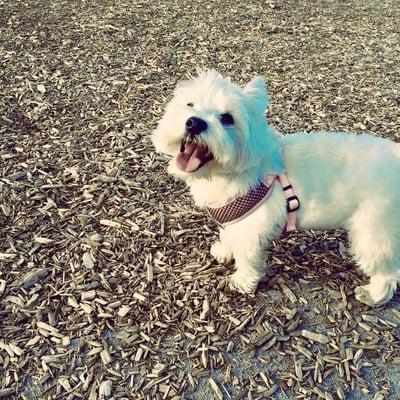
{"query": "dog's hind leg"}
(375, 242)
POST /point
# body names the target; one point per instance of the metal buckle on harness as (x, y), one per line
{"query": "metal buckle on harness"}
(290, 207)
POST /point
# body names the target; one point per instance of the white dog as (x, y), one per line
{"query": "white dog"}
(223, 148)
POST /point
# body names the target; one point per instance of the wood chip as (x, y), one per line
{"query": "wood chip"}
(289, 293)
(206, 309)
(123, 311)
(47, 327)
(260, 338)
(64, 382)
(2, 286)
(271, 390)
(105, 390)
(107, 222)
(315, 337)
(139, 296)
(105, 357)
(4, 393)
(88, 295)
(43, 240)
(216, 389)
(35, 275)
(87, 260)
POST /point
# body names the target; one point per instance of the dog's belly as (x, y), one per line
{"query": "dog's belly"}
(315, 215)
(325, 207)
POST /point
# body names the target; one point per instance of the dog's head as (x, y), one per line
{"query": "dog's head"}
(214, 126)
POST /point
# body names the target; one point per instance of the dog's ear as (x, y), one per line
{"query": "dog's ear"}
(255, 91)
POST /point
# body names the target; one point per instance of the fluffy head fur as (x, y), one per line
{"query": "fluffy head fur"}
(235, 148)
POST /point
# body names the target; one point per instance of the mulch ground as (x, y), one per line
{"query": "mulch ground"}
(107, 288)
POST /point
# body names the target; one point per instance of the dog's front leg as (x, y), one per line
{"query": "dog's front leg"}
(250, 265)
(221, 249)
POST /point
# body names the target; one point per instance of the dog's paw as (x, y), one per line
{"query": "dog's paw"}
(364, 295)
(220, 252)
(242, 285)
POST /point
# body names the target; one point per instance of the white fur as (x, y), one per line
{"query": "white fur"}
(343, 181)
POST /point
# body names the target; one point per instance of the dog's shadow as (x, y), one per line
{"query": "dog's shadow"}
(313, 259)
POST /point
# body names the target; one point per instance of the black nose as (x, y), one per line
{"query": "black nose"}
(195, 125)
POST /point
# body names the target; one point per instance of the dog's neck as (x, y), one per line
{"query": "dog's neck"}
(221, 188)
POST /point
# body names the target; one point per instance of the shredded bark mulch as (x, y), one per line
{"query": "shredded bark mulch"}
(107, 288)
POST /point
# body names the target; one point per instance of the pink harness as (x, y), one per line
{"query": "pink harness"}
(242, 206)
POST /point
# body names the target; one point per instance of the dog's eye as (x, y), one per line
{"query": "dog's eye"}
(189, 104)
(226, 119)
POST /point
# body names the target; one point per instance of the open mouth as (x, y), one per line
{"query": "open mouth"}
(192, 155)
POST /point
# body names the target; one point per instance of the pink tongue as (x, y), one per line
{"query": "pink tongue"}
(191, 158)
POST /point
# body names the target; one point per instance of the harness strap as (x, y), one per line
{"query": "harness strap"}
(240, 207)
(292, 203)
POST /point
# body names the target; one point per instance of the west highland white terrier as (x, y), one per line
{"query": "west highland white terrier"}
(257, 183)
